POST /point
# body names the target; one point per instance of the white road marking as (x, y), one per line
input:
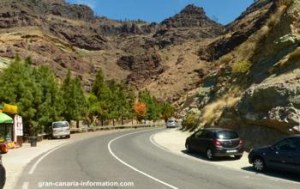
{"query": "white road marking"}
(31, 171)
(130, 166)
(25, 185)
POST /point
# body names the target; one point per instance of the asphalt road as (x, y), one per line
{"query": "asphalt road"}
(132, 157)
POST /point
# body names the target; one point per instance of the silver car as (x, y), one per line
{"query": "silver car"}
(171, 123)
(60, 129)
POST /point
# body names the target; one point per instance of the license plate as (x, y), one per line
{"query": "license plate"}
(231, 151)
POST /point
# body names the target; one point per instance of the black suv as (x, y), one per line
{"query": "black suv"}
(216, 142)
(283, 155)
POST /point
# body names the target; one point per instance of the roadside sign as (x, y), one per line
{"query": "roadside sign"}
(18, 125)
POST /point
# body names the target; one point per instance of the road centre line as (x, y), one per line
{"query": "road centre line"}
(130, 166)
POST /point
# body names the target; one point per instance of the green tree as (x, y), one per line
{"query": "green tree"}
(74, 99)
(103, 94)
(153, 107)
(34, 91)
(93, 109)
(18, 87)
(52, 105)
(167, 111)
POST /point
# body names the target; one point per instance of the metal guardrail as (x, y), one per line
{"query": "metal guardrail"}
(99, 128)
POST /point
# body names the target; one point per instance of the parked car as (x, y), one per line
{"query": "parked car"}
(216, 142)
(2, 174)
(60, 129)
(171, 123)
(283, 155)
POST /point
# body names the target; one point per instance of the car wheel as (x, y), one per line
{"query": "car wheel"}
(259, 164)
(2, 176)
(237, 157)
(209, 154)
(188, 147)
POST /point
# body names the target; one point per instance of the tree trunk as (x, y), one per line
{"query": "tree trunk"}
(77, 124)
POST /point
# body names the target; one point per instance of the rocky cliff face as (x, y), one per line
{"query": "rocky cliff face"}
(256, 89)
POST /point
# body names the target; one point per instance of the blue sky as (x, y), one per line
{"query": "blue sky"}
(224, 11)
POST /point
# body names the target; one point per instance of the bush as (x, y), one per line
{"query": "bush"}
(241, 67)
(191, 121)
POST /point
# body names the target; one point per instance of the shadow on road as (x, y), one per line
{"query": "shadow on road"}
(272, 173)
(202, 156)
(277, 174)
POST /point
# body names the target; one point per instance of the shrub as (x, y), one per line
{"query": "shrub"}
(241, 67)
(191, 121)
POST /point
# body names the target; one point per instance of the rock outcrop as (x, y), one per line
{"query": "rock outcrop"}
(190, 23)
(144, 67)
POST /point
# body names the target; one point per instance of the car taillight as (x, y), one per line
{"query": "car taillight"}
(217, 143)
(241, 143)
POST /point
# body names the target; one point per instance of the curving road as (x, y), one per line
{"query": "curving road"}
(130, 156)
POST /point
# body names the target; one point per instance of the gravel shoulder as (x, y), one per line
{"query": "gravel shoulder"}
(173, 140)
(16, 159)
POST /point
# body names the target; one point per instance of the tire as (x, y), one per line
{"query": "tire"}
(237, 157)
(2, 176)
(259, 164)
(209, 154)
(188, 147)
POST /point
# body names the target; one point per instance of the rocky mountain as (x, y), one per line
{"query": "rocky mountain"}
(66, 36)
(191, 23)
(244, 75)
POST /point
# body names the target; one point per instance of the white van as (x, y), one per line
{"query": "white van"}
(60, 129)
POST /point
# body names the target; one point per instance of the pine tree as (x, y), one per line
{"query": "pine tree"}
(74, 99)
(18, 86)
(52, 105)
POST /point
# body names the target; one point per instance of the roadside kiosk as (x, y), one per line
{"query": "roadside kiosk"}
(11, 128)
(6, 132)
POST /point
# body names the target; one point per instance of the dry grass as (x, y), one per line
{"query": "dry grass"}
(294, 56)
(288, 60)
(247, 49)
(213, 111)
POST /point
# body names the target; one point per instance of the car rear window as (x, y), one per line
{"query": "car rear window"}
(227, 135)
(59, 125)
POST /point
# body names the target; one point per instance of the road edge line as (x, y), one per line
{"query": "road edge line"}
(31, 171)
